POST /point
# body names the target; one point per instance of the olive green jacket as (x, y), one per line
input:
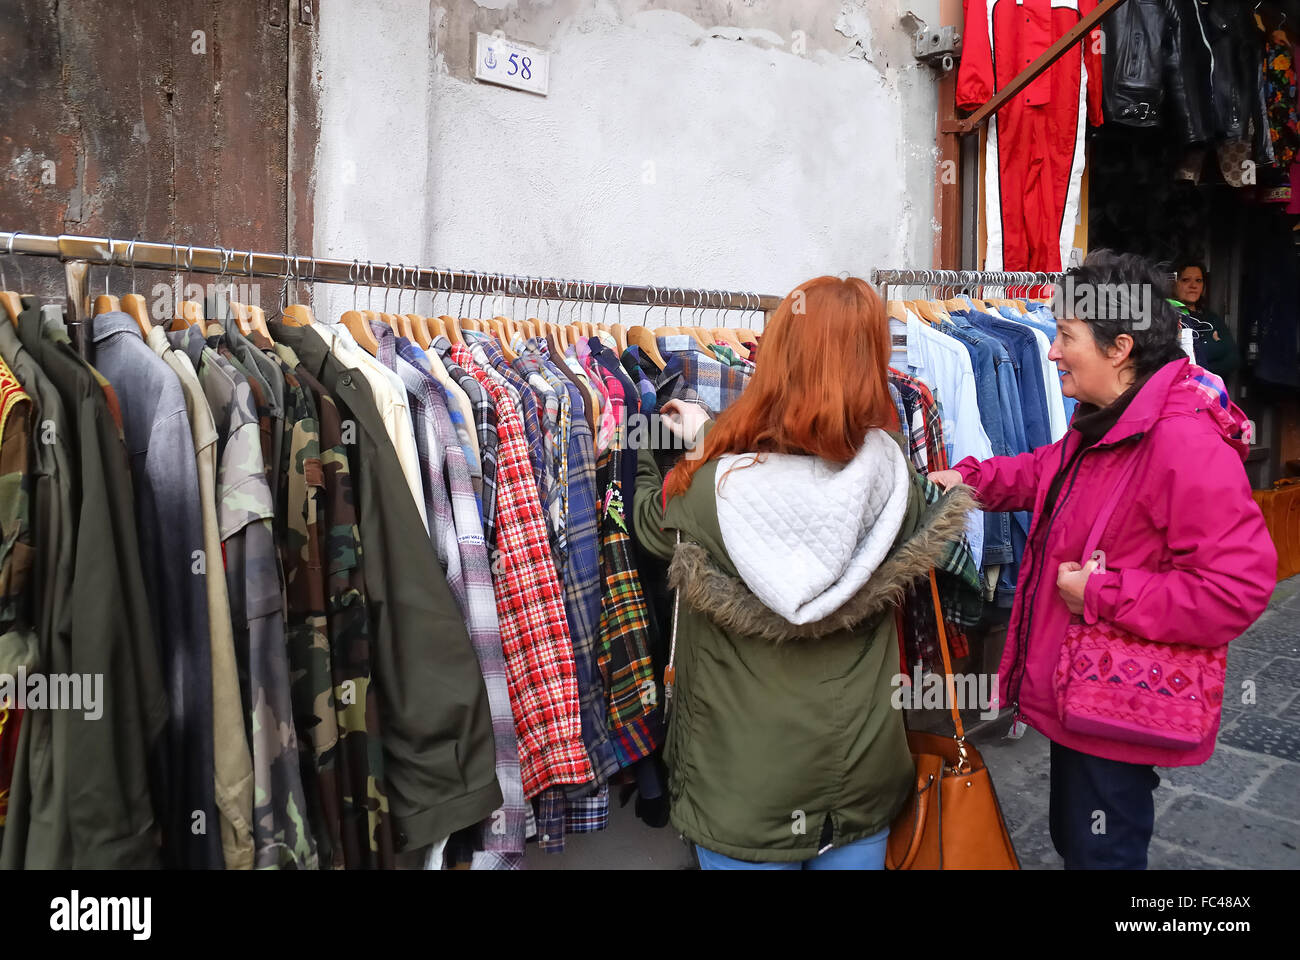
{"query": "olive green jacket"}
(782, 736)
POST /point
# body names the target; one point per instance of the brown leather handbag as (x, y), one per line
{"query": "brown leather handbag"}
(953, 820)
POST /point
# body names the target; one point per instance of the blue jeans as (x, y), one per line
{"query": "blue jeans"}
(865, 854)
(985, 354)
(1101, 812)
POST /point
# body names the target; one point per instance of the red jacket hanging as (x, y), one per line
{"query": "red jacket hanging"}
(1035, 146)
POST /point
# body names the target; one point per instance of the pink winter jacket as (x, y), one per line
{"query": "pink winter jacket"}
(1188, 558)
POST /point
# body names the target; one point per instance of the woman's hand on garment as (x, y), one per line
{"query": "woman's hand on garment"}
(684, 419)
(944, 478)
(1072, 580)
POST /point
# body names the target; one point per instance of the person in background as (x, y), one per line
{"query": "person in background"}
(1188, 557)
(793, 526)
(1216, 350)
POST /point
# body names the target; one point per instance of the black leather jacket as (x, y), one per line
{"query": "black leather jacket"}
(1197, 61)
(1132, 63)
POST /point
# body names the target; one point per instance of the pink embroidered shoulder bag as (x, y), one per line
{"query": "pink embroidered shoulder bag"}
(1113, 684)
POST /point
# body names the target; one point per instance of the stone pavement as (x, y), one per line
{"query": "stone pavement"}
(1241, 809)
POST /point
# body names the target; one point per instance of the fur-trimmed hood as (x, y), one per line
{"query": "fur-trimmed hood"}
(814, 542)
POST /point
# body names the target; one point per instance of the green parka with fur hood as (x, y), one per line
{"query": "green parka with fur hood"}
(789, 570)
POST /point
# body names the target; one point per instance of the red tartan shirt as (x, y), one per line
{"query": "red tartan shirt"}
(540, 672)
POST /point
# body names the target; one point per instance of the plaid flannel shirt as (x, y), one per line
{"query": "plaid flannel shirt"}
(578, 809)
(458, 538)
(558, 814)
(716, 383)
(489, 356)
(555, 429)
(635, 719)
(457, 409)
(530, 609)
(485, 422)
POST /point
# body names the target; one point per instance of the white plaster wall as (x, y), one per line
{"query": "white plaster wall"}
(671, 150)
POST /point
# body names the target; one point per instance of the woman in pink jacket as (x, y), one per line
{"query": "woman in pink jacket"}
(1187, 556)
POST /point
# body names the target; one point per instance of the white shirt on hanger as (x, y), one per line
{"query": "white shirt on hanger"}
(390, 398)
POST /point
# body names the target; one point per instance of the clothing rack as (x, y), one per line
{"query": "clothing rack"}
(962, 278)
(246, 264)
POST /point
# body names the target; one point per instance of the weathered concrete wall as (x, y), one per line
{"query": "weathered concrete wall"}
(697, 143)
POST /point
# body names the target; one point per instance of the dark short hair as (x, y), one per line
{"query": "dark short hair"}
(1155, 339)
(1185, 262)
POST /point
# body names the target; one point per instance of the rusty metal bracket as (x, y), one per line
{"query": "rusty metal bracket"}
(1030, 73)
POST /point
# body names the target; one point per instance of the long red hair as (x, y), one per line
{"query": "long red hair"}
(820, 382)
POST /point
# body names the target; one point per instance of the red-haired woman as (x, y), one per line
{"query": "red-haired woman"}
(793, 525)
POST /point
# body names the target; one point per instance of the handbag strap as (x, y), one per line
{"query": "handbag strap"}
(670, 671)
(948, 684)
(1108, 508)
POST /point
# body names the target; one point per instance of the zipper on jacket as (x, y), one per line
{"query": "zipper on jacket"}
(1018, 664)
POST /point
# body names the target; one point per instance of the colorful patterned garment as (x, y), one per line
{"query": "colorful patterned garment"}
(558, 815)
(722, 350)
(530, 608)
(555, 426)
(485, 423)
(643, 374)
(488, 354)
(578, 356)
(16, 559)
(1280, 97)
(367, 828)
(458, 539)
(716, 383)
(299, 538)
(635, 720)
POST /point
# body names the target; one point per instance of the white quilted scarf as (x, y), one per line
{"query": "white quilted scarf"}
(805, 534)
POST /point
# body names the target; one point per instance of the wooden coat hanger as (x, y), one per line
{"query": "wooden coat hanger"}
(620, 334)
(257, 320)
(106, 302)
(188, 312)
(359, 326)
(13, 305)
(419, 330)
(498, 330)
(242, 317)
(644, 339)
(297, 315)
(133, 304)
(729, 336)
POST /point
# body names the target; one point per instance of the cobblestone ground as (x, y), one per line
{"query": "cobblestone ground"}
(1241, 809)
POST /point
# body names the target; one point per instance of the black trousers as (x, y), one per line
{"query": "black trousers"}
(1102, 812)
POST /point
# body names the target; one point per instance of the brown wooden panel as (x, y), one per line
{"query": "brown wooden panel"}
(161, 120)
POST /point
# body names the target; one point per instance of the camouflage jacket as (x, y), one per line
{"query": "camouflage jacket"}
(364, 834)
(437, 741)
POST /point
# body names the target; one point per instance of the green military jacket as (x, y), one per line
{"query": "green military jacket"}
(782, 736)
